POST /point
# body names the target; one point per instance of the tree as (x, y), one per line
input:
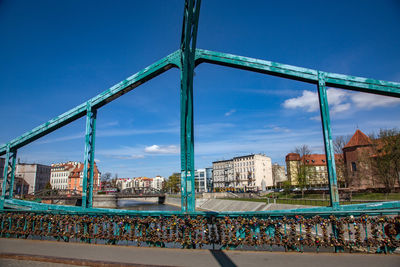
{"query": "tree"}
(106, 176)
(384, 160)
(172, 184)
(341, 170)
(304, 171)
(286, 187)
(48, 186)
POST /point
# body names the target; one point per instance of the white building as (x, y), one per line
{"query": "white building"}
(60, 173)
(203, 180)
(35, 175)
(222, 175)
(252, 172)
(142, 182)
(157, 182)
(245, 173)
(123, 183)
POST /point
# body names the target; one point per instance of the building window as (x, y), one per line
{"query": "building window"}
(354, 166)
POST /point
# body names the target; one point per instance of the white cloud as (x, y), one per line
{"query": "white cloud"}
(315, 118)
(369, 101)
(336, 96)
(280, 129)
(340, 101)
(340, 108)
(130, 157)
(97, 160)
(308, 100)
(138, 152)
(230, 112)
(155, 149)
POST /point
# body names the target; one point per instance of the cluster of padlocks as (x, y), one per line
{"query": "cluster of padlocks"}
(378, 233)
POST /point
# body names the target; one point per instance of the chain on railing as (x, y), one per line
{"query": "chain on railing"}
(364, 233)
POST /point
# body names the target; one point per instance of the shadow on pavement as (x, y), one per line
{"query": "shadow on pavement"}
(222, 259)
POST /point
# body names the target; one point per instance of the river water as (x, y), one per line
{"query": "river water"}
(140, 205)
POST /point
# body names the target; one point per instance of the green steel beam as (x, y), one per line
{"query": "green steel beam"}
(170, 61)
(8, 175)
(298, 73)
(187, 58)
(88, 169)
(326, 130)
(5, 177)
(11, 165)
(188, 50)
(91, 162)
(392, 207)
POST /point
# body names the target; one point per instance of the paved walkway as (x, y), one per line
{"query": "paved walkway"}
(19, 252)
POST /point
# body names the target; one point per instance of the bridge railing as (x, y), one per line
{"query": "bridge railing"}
(140, 190)
(53, 193)
(373, 232)
(186, 59)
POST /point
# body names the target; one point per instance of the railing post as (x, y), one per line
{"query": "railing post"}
(326, 129)
(188, 50)
(8, 175)
(88, 169)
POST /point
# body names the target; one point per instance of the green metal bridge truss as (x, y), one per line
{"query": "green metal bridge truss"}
(186, 59)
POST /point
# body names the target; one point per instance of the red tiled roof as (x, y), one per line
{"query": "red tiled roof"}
(314, 159)
(292, 156)
(358, 139)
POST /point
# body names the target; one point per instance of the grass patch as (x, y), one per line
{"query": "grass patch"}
(376, 196)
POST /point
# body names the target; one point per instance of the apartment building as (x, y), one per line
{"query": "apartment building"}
(60, 173)
(141, 182)
(223, 175)
(124, 183)
(244, 173)
(317, 172)
(75, 178)
(158, 182)
(252, 172)
(36, 176)
(203, 180)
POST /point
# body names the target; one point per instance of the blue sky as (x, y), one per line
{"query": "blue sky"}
(54, 55)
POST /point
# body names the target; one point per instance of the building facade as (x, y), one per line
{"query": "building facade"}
(142, 182)
(243, 174)
(203, 180)
(252, 172)
(75, 178)
(124, 183)
(158, 182)
(60, 172)
(278, 175)
(314, 167)
(223, 175)
(36, 176)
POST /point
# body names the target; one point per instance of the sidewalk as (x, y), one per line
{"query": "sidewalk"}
(43, 252)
